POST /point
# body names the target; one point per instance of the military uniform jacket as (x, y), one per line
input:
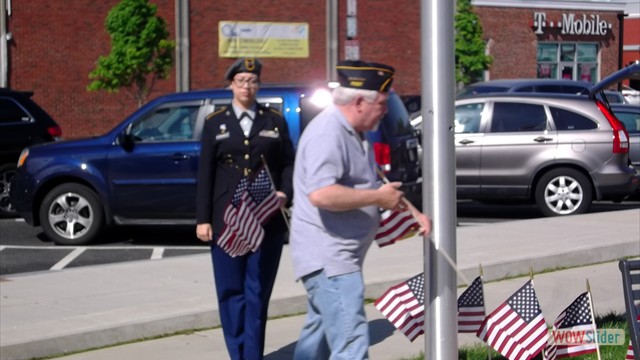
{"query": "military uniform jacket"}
(226, 155)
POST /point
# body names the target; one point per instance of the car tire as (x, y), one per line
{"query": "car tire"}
(71, 214)
(562, 192)
(7, 172)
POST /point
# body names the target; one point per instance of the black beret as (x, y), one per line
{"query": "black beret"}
(365, 75)
(249, 65)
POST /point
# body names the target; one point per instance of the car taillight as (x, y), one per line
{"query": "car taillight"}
(620, 134)
(383, 155)
(54, 131)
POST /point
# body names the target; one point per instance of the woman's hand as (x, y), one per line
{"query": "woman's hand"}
(204, 232)
(283, 199)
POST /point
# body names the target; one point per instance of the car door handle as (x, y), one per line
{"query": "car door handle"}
(542, 139)
(466, 141)
(180, 156)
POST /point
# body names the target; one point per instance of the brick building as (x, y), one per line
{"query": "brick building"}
(54, 45)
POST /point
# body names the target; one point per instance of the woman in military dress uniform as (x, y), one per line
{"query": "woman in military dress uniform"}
(234, 140)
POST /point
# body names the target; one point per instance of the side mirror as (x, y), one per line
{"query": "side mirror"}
(125, 139)
(418, 134)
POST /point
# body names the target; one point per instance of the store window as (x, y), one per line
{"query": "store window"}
(573, 61)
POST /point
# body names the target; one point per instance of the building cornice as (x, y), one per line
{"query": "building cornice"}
(617, 6)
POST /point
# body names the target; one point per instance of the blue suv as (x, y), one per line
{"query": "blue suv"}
(143, 172)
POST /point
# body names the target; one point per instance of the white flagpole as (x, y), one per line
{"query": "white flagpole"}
(593, 320)
(282, 210)
(415, 213)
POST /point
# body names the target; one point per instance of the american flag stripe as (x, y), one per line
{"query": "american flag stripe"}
(267, 208)
(408, 322)
(470, 320)
(395, 226)
(248, 228)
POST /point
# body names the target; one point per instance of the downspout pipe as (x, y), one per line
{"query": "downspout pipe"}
(4, 51)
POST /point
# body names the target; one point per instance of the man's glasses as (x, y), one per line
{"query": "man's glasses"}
(249, 82)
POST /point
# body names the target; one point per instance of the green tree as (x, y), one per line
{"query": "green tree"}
(471, 59)
(141, 52)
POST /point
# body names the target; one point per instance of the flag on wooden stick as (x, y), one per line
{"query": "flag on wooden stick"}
(403, 306)
(471, 311)
(516, 329)
(576, 318)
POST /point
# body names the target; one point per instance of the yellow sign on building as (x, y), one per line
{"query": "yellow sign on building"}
(263, 39)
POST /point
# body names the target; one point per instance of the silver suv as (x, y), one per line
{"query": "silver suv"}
(559, 151)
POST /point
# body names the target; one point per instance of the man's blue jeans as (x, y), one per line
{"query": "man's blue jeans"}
(336, 327)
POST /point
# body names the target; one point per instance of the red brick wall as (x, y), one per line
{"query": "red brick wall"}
(52, 52)
(514, 44)
(57, 43)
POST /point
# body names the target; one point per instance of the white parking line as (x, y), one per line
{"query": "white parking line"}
(2, 247)
(99, 247)
(69, 258)
(157, 253)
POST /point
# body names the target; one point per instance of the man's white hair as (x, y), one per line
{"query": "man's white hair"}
(344, 95)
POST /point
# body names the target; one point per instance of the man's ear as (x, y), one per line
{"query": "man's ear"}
(359, 100)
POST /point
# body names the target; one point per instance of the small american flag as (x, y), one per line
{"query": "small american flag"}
(576, 317)
(471, 310)
(403, 306)
(516, 329)
(252, 203)
(395, 226)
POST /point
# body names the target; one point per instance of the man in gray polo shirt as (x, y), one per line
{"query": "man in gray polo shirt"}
(336, 212)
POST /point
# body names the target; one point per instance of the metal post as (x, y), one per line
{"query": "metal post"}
(438, 89)
(4, 48)
(182, 45)
(332, 39)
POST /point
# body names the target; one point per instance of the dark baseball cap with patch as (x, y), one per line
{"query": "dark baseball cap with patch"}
(365, 75)
(248, 65)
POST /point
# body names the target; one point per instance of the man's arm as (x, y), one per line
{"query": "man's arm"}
(342, 198)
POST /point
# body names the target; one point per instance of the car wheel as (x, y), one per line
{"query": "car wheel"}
(71, 214)
(7, 172)
(563, 192)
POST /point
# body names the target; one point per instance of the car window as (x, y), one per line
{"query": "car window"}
(518, 117)
(272, 102)
(565, 89)
(11, 112)
(569, 120)
(631, 121)
(396, 120)
(172, 123)
(482, 89)
(467, 118)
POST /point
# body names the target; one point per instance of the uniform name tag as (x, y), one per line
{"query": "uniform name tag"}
(269, 133)
(222, 136)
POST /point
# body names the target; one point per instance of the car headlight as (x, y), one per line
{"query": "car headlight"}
(23, 157)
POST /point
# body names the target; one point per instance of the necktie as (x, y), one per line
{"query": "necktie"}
(245, 123)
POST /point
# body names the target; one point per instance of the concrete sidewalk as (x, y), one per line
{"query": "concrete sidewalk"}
(46, 314)
(555, 290)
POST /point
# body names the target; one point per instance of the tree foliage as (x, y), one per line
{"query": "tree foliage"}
(141, 52)
(470, 56)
